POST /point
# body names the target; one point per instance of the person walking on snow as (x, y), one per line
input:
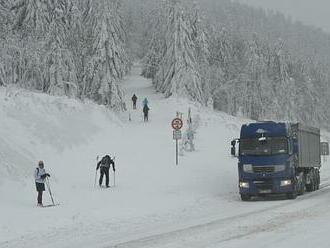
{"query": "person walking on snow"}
(104, 166)
(145, 102)
(40, 176)
(146, 113)
(134, 99)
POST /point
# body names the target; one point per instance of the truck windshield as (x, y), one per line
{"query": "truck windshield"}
(270, 146)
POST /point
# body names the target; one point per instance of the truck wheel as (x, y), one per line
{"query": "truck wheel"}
(309, 187)
(318, 180)
(245, 197)
(315, 184)
(294, 193)
(312, 186)
(314, 181)
(302, 187)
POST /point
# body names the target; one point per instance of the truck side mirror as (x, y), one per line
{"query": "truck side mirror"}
(233, 151)
(233, 147)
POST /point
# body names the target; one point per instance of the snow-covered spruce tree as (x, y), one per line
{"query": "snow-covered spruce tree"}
(255, 75)
(5, 39)
(32, 15)
(60, 73)
(30, 24)
(79, 41)
(227, 66)
(178, 72)
(5, 18)
(109, 61)
(282, 83)
(41, 60)
(201, 39)
(156, 44)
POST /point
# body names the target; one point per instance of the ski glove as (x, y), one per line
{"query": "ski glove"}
(45, 175)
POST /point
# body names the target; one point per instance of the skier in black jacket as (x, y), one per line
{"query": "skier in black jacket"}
(134, 99)
(104, 166)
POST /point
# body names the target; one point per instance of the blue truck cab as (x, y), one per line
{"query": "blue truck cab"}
(277, 158)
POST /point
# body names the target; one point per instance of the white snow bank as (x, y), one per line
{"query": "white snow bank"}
(34, 126)
(152, 194)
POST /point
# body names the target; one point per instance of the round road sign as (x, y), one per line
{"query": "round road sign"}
(177, 124)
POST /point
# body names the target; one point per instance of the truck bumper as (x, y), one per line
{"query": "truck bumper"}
(265, 186)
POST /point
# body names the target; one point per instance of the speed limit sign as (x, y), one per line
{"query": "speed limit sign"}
(177, 124)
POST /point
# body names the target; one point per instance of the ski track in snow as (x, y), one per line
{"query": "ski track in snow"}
(154, 203)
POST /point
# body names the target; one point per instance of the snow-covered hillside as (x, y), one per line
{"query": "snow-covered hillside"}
(153, 197)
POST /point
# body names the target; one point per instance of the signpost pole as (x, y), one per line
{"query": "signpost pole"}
(177, 151)
(177, 125)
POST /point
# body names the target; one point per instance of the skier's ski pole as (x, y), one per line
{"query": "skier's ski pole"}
(50, 192)
(114, 173)
(95, 178)
(97, 159)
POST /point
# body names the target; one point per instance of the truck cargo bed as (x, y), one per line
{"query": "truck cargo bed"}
(309, 147)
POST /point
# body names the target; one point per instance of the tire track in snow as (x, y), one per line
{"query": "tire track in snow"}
(161, 240)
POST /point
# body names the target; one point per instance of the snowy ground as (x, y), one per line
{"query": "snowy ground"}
(155, 203)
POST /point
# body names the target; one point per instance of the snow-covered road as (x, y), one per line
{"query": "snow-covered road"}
(155, 203)
(285, 225)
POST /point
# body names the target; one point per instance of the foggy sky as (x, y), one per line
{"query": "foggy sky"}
(310, 12)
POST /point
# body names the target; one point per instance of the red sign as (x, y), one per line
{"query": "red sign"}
(177, 124)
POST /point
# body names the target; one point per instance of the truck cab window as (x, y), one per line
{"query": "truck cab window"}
(271, 146)
(279, 145)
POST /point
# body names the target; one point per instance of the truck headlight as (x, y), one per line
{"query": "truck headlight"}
(247, 168)
(286, 183)
(244, 185)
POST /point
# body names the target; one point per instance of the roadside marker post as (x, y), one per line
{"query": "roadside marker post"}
(177, 124)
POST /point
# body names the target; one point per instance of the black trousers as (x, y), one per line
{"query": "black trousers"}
(39, 197)
(145, 117)
(134, 104)
(40, 188)
(104, 171)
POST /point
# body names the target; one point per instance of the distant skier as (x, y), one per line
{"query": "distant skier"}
(145, 102)
(40, 176)
(104, 166)
(134, 99)
(146, 113)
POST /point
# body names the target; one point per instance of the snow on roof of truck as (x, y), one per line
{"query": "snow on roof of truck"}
(268, 128)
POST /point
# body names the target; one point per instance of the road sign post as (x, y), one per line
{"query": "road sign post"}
(177, 124)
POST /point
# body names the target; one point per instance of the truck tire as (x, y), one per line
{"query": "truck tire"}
(302, 187)
(245, 197)
(311, 187)
(293, 195)
(318, 180)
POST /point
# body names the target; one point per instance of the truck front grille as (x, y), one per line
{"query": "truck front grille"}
(263, 169)
(263, 184)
